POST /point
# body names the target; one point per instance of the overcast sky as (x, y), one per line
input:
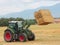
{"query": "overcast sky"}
(10, 6)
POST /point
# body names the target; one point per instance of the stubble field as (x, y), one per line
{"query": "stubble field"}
(45, 35)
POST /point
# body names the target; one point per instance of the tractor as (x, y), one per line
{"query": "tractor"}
(18, 31)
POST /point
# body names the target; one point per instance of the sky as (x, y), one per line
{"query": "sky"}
(10, 6)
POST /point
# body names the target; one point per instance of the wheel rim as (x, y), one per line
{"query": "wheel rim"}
(21, 38)
(7, 36)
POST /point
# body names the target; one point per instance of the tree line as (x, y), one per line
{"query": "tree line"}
(4, 21)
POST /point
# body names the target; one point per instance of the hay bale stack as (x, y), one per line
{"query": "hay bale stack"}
(43, 17)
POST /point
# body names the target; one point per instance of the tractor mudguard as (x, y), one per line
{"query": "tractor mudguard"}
(28, 32)
(10, 30)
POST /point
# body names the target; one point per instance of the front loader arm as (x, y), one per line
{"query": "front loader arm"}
(26, 24)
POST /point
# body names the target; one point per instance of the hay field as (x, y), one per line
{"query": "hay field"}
(45, 35)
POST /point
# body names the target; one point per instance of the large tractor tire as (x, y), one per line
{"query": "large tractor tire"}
(8, 36)
(31, 37)
(22, 37)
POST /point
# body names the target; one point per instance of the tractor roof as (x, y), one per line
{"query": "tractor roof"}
(14, 21)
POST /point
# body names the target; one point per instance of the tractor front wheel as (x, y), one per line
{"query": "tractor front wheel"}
(22, 37)
(31, 37)
(8, 36)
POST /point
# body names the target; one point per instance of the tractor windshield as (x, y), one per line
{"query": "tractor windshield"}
(20, 24)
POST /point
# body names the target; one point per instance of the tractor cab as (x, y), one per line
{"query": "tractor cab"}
(16, 25)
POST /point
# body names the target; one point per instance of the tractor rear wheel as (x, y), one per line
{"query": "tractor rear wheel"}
(31, 37)
(22, 37)
(8, 36)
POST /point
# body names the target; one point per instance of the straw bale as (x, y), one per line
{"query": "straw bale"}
(43, 17)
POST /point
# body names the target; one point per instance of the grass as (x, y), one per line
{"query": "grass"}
(45, 34)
